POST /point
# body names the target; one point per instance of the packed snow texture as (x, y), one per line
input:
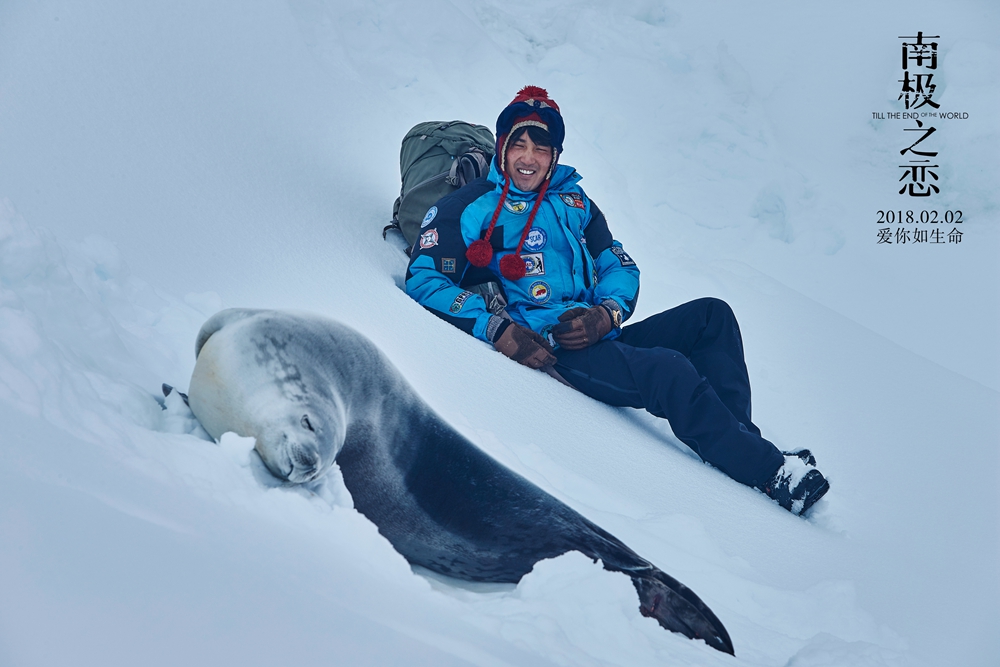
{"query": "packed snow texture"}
(163, 161)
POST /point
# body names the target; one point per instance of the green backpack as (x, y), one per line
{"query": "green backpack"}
(436, 159)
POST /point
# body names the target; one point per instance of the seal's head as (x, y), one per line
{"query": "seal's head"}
(300, 446)
(269, 375)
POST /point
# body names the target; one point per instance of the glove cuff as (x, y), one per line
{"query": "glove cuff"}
(496, 326)
(614, 312)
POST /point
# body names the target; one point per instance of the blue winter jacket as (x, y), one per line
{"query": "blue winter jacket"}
(570, 256)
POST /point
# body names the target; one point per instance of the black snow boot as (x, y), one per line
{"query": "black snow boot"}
(797, 485)
(803, 454)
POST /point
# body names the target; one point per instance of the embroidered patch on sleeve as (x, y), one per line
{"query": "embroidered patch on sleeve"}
(429, 239)
(447, 265)
(459, 301)
(573, 200)
(429, 218)
(622, 256)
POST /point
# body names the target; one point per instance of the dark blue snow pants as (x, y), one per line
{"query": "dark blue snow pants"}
(685, 365)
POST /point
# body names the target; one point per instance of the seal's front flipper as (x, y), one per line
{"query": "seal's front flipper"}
(177, 416)
(675, 612)
(166, 392)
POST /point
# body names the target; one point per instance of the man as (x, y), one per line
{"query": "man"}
(566, 287)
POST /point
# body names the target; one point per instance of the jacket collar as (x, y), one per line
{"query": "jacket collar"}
(563, 177)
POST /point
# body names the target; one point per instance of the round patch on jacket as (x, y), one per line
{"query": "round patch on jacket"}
(517, 207)
(429, 239)
(536, 240)
(429, 218)
(539, 291)
(573, 200)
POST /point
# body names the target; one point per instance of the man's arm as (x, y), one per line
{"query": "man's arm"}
(617, 274)
(615, 293)
(435, 265)
(438, 264)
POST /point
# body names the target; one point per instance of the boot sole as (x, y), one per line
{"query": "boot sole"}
(811, 499)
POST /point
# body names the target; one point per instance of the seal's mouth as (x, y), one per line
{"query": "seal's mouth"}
(305, 465)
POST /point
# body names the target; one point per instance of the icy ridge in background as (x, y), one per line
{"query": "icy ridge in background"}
(81, 336)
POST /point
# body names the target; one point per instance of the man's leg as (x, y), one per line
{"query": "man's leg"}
(666, 383)
(706, 332)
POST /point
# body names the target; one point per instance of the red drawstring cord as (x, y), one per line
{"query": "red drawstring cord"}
(480, 252)
(512, 266)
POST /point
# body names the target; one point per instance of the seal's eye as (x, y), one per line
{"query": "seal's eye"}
(306, 423)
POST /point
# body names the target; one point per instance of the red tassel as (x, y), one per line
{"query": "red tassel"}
(479, 253)
(512, 266)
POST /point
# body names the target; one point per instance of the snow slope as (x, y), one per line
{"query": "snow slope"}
(161, 161)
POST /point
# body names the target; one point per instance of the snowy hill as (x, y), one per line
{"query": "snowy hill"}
(160, 162)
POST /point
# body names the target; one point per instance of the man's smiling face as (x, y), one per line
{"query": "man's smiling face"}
(528, 163)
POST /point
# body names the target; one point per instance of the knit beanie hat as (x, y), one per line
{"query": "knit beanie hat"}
(532, 106)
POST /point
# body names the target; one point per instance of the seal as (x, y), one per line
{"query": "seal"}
(311, 390)
(265, 375)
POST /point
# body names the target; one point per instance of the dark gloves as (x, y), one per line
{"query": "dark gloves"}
(578, 328)
(524, 346)
(582, 327)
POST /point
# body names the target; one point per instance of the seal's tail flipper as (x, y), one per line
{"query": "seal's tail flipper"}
(671, 603)
(678, 609)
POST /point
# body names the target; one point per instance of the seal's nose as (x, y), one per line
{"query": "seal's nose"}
(305, 465)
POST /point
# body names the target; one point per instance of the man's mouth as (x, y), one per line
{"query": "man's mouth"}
(526, 172)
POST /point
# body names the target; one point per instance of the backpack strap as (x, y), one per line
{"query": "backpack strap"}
(468, 167)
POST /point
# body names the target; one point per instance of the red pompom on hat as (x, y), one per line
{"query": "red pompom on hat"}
(534, 93)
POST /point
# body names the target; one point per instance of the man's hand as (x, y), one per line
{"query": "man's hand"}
(525, 347)
(582, 327)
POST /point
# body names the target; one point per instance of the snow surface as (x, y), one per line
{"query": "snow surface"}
(160, 161)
